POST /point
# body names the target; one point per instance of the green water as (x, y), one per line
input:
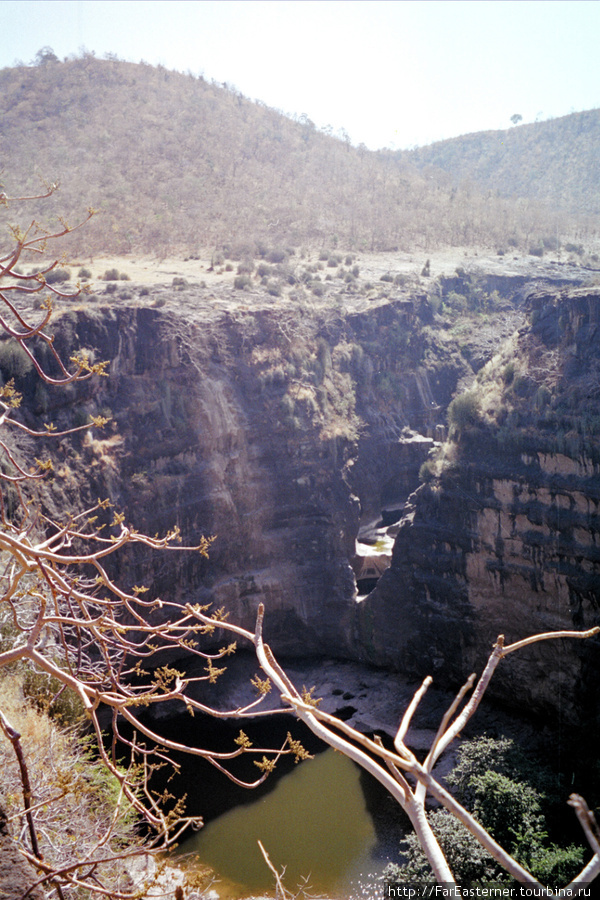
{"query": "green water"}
(314, 822)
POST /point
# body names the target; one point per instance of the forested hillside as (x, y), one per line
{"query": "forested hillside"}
(174, 163)
(554, 161)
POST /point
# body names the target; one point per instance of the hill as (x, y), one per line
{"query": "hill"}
(554, 162)
(175, 164)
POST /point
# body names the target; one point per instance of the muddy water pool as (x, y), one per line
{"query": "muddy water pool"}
(315, 822)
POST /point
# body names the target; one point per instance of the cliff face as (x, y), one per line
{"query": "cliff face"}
(281, 432)
(505, 540)
(261, 428)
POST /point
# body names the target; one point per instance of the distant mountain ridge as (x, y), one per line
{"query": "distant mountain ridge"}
(557, 161)
(174, 163)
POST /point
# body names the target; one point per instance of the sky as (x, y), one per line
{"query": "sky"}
(390, 73)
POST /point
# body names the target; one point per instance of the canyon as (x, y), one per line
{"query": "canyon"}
(290, 430)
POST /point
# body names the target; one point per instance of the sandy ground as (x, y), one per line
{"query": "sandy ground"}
(148, 270)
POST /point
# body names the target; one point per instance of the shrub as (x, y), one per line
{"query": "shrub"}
(387, 277)
(241, 282)
(427, 471)
(501, 787)
(111, 275)
(464, 411)
(57, 276)
(523, 386)
(84, 273)
(274, 288)
(536, 251)
(469, 862)
(276, 255)
(508, 372)
(14, 362)
(550, 243)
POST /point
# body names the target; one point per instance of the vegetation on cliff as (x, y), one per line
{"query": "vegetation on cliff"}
(516, 801)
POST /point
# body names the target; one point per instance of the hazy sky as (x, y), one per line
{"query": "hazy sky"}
(392, 73)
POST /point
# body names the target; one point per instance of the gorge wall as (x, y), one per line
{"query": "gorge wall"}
(279, 430)
(505, 539)
(246, 427)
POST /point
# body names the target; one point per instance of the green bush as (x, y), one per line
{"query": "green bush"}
(46, 693)
(505, 793)
(464, 411)
(111, 275)
(84, 273)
